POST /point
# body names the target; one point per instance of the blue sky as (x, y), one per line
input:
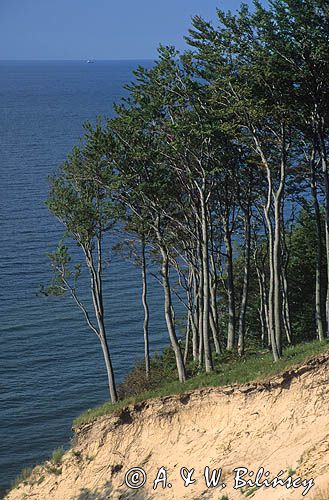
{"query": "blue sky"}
(98, 29)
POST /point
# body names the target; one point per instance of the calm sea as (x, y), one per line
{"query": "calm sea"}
(51, 367)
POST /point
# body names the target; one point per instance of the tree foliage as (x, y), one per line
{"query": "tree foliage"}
(206, 162)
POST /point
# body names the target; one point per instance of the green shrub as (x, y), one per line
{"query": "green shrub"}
(53, 469)
(163, 368)
(57, 456)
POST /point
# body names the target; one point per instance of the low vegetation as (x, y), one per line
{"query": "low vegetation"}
(22, 478)
(33, 475)
(56, 458)
(229, 369)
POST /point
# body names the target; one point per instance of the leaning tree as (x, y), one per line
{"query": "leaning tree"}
(85, 208)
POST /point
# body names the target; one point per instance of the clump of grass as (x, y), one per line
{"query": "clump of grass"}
(249, 491)
(40, 480)
(229, 369)
(29, 475)
(291, 471)
(57, 456)
(53, 469)
(53, 464)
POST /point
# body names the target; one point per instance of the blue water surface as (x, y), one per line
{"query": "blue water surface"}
(51, 367)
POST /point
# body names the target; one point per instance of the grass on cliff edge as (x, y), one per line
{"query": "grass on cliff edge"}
(229, 369)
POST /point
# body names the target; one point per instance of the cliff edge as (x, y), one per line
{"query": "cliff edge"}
(281, 424)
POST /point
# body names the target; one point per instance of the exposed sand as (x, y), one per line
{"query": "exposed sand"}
(282, 424)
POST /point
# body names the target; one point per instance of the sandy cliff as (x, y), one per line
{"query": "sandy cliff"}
(282, 424)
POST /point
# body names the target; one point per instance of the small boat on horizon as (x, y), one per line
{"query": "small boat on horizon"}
(90, 61)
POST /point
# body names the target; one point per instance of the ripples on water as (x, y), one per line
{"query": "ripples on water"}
(51, 367)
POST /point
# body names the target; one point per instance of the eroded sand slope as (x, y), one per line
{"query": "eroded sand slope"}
(282, 424)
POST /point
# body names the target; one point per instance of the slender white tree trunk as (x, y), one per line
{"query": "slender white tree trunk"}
(109, 367)
(97, 297)
(206, 290)
(318, 264)
(195, 318)
(230, 288)
(245, 287)
(324, 165)
(276, 274)
(270, 306)
(168, 309)
(146, 312)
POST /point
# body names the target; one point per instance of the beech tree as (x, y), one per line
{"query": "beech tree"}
(252, 86)
(299, 38)
(134, 246)
(203, 162)
(147, 192)
(88, 213)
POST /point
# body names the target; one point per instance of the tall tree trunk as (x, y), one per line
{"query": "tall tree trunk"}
(276, 274)
(245, 287)
(279, 229)
(284, 283)
(270, 306)
(285, 305)
(168, 306)
(195, 321)
(274, 298)
(324, 165)
(214, 321)
(169, 317)
(187, 336)
(206, 290)
(109, 367)
(230, 287)
(200, 316)
(190, 326)
(319, 320)
(97, 297)
(262, 311)
(146, 312)
(214, 330)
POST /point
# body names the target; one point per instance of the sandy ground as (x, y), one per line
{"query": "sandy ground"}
(279, 425)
